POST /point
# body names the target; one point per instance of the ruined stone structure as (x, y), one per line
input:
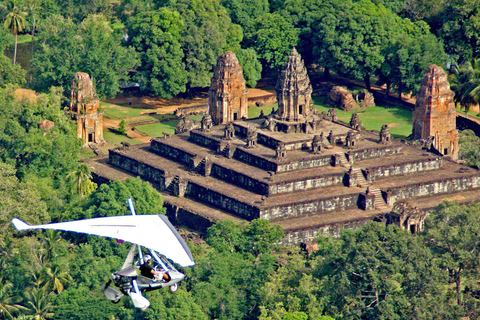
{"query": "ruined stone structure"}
(342, 98)
(84, 109)
(185, 124)
(385, 136)
(227, 97)
(406, 216)
(204, 178)
(434, 114)
(294, 91)
(308, 185)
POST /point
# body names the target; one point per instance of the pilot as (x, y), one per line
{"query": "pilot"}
(147, 271)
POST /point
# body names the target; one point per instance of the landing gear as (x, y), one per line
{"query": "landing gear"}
(173, 288)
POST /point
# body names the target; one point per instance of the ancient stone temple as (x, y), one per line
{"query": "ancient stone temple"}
(434, 114)
(227, 97)
(308, 185)
(294, 92)
(84, 109)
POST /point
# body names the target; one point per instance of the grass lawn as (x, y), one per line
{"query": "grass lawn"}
(156, 129)
(115, 111)
(470, 112)
(116, 139)
(398, 119)
(254, 111)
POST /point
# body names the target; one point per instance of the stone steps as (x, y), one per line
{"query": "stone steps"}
(379, 203)
(361, 182)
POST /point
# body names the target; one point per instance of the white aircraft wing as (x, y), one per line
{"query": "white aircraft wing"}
(151, 231)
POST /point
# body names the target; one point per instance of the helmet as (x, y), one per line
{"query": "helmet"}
(147, 257)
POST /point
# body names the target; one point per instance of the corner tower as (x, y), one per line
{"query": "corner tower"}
(227, 97)
(84, 109)
(434, 114)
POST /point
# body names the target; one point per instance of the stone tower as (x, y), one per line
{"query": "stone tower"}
(434, 114)
(227, 97)
(294, 90)
(84, 109)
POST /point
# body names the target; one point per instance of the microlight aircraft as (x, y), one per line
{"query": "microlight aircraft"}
(154, 232)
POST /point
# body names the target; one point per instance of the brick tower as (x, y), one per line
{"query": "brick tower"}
(84, 109)
(227, 97)
(434, 114)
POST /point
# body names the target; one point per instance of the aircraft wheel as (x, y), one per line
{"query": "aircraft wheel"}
(173, 288)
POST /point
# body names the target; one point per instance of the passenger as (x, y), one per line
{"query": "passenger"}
(147, 271)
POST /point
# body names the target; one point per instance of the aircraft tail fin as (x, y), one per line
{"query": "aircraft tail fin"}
(20, 225)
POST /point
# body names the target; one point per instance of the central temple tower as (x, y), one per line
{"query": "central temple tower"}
(294, 90)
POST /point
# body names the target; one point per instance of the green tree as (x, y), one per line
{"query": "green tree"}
(39, 304)
(460, 30)
(292, 289)
(10, 73)
(406, 60)
(155, 35)
(466, 83)
(81, 180)
(252, 68)
(18, 200)
(359, 38)
(317, 22)
(110, 200)
(273, 40)
(207, 33)
(244, 13)
(469, 144)
(54, 278)
(15, 21)
(8, 302)
(226, 282)
(380, 272)
(92, 47)
(452, 233)
(121, 127)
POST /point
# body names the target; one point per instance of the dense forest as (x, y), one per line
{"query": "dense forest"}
(169, 47)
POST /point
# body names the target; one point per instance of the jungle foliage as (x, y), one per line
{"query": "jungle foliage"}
(170, 47)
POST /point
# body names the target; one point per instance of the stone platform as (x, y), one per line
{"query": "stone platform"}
(205, 178)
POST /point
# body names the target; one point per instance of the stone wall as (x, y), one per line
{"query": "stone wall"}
(222, 201)
(171, 152)
(204, 140)
(305, 163)
(348, 201)
(430, 188)
(254, 160)
(378, 152)
(185, 111)
(239, 179)
(298, 236)
(145, 171)
(371, 174)
(306, 184)
(187, 218)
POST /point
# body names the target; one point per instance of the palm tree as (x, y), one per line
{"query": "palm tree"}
(16, 21)
(82, 180)
(465, 82)
(7, 302)
(39, 303)
(55, 277)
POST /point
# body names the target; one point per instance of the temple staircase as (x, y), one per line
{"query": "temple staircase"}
(171, 187)
(361, 182)
(380, 203)
(343, 160)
